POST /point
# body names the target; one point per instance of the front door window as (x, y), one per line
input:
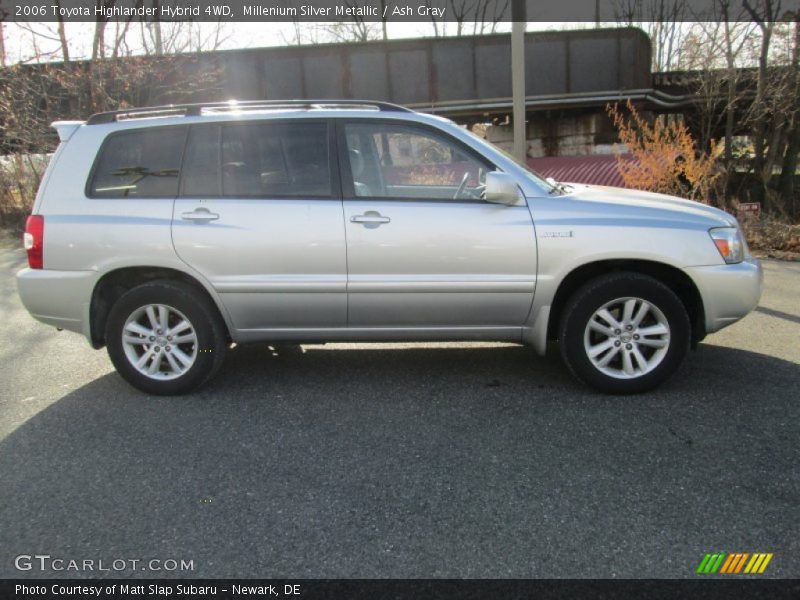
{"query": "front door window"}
(406, 162)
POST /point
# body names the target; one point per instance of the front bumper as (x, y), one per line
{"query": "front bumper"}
(58, 298)
(729, 292)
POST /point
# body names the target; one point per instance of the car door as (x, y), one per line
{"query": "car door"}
(423, 248)
(260, 216)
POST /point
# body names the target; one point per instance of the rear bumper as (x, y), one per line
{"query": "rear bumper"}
(729, 292)
(58, 298)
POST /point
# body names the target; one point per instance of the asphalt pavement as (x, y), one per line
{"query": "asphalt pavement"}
(401, 460)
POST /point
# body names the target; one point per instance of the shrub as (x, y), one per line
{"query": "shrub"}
(665, 157)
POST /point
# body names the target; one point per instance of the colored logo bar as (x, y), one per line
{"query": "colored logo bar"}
(734, 563)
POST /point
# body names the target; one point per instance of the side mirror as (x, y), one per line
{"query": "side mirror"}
(502, 189)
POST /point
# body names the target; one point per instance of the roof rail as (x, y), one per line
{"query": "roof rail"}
(195, 110)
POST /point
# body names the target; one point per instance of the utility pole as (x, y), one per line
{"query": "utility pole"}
(518, 16)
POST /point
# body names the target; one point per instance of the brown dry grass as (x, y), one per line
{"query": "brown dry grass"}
(13, 211)
(16, 198)
(773, 238)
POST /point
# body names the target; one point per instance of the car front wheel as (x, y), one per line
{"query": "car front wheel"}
(164, 338)
(624, 333)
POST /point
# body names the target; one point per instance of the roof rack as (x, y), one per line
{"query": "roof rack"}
(195, 110)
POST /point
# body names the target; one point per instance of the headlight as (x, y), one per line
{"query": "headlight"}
(729, 242)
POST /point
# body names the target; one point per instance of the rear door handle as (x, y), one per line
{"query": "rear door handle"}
(200, 214)
(370, 217)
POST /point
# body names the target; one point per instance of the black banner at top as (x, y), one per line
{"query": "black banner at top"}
(392, 10)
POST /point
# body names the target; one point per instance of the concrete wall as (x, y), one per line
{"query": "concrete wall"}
(562, 135)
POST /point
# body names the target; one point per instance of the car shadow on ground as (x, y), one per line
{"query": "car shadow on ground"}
(415, 462)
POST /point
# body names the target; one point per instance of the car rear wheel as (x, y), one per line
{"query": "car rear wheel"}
(164, 338)
(624, 333)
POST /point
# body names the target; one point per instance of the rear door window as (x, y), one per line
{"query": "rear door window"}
(201, 167)
(276, 160)
(140, 164)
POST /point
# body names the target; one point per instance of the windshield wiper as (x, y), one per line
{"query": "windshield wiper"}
(140, 173)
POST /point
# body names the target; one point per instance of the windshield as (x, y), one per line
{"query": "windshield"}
(533, 175)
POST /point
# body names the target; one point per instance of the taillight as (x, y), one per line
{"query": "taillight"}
(33, 240)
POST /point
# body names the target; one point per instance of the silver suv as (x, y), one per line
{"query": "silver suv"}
(166, 234)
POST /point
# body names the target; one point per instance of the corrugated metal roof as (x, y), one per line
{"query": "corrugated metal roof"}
(596, 169)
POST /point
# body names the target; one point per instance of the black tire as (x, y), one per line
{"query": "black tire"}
(591, 297)
(208, 327)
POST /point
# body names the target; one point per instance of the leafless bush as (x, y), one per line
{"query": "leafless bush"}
(32, 96)
(19, 179)
(772, 236)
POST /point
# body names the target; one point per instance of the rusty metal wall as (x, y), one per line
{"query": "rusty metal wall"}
(440, 72)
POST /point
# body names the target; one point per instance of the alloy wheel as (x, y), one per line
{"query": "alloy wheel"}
(160, 342)
(627, 338)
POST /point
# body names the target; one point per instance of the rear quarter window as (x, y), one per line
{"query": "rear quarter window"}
(139, 164)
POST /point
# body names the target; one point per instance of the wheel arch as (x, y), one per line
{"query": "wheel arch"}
(674, 278)
(113, 284)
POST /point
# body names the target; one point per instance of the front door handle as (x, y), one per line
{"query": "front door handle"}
(200, 215)
(370, 218)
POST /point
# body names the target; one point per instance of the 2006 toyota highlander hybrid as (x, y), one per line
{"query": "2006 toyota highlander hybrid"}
(168, 233)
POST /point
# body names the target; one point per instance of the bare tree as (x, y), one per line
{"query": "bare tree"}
(304, 33)
(62, 35)
(384, 30)
(663, 21)
(355, 29)
(790, 157)
(99, 38)
(475, 17)
(484, 15)
(120, 38)
(713, 51)
(39, 34)
(437, 30)
(155, 27)
(488, 14)
(767, 130)
(2, 43)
